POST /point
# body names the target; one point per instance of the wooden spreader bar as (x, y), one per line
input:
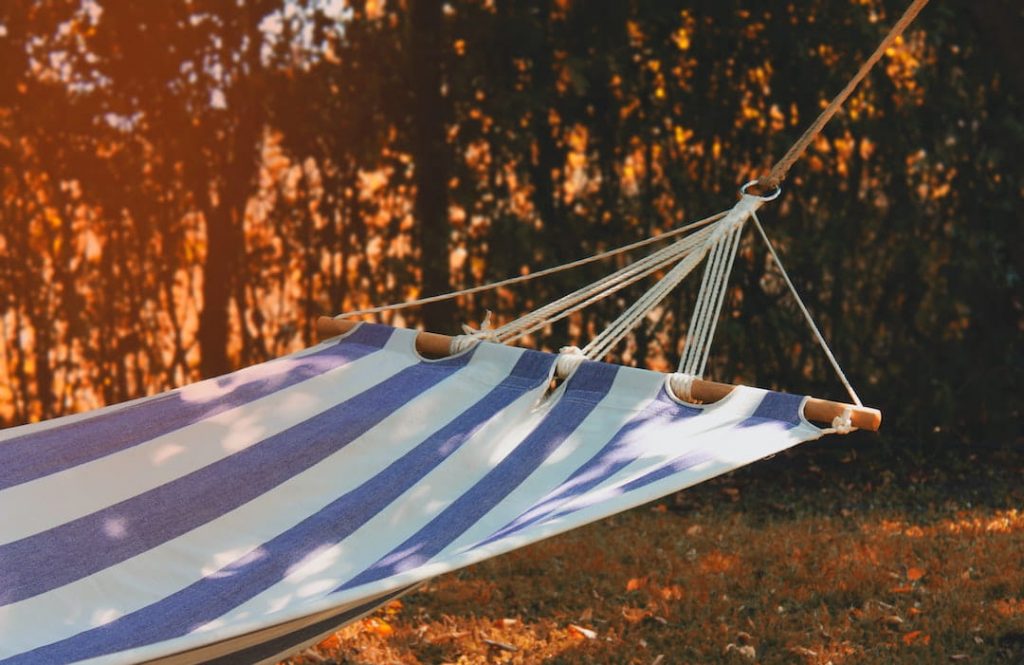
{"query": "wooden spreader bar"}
(817, 410)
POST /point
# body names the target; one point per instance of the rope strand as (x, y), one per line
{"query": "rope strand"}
(533, 275)
(807, 315)
(781, 168)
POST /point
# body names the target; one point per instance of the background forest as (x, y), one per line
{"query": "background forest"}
(187, 184)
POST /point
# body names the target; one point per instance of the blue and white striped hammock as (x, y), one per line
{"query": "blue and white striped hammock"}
(240, 518)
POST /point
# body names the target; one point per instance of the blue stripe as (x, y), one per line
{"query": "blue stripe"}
(37, 454)
(678, 465)
(621, 451)
(774, 408)
(587, 387)
(220, 592)
(782, 408)
(61, 555)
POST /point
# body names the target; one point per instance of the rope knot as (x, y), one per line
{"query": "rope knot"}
(681, 385)
(843, 423)
(569, 358)
(473, 335)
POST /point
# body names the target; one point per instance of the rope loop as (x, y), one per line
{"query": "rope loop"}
(460, 343)
(770, 196)
(681, 385)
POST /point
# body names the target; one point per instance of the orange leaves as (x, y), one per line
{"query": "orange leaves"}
(378, 627)
(668, 592)
(635, 614)
(913, 576)
(1013, 607)
(582, 632)
(917, 637)
(718, 562)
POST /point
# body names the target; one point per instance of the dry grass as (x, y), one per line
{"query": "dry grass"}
(816, 556)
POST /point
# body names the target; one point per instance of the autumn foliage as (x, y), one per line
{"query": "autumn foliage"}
(186, 185)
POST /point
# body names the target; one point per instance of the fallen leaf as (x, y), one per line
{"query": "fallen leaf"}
(634, 583)
(914, 574)
(694, 530)
(892, 621)
(634, 614)
(585, 632)
(332, 642)
(500, 645)
(378, 627)
(505, 623)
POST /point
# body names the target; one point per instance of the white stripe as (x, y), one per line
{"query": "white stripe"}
(326, 570)
(737, 448)
(711, 431)
(501, 435)
(87, 488)
(631, 391)
(130, 585)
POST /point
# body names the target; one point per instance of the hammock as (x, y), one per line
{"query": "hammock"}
(326, 482)
(241, 518)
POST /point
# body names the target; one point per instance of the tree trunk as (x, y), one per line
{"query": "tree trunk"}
(431, 161)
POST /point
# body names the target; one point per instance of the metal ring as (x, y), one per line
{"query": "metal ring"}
(770, 197)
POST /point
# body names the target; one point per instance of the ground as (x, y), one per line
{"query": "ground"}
(847, 550)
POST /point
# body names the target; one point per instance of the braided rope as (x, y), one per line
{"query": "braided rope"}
(796, 151)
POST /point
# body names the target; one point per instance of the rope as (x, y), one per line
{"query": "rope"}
(807, 315)
(719, 234)
(720, 241)
(709, 300)
(781, 168)
(540, 322)
(583, 297)
(600, 289)
(534, 275)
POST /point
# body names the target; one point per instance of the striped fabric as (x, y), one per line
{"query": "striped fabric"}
(238, 518)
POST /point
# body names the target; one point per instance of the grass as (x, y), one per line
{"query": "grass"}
(841, 551)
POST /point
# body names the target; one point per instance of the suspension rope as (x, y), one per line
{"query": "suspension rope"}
(718, 242)
(807, 315)
(710, 299)
(534, 275)
(630, 318)
(781, 168)
(601, 288)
